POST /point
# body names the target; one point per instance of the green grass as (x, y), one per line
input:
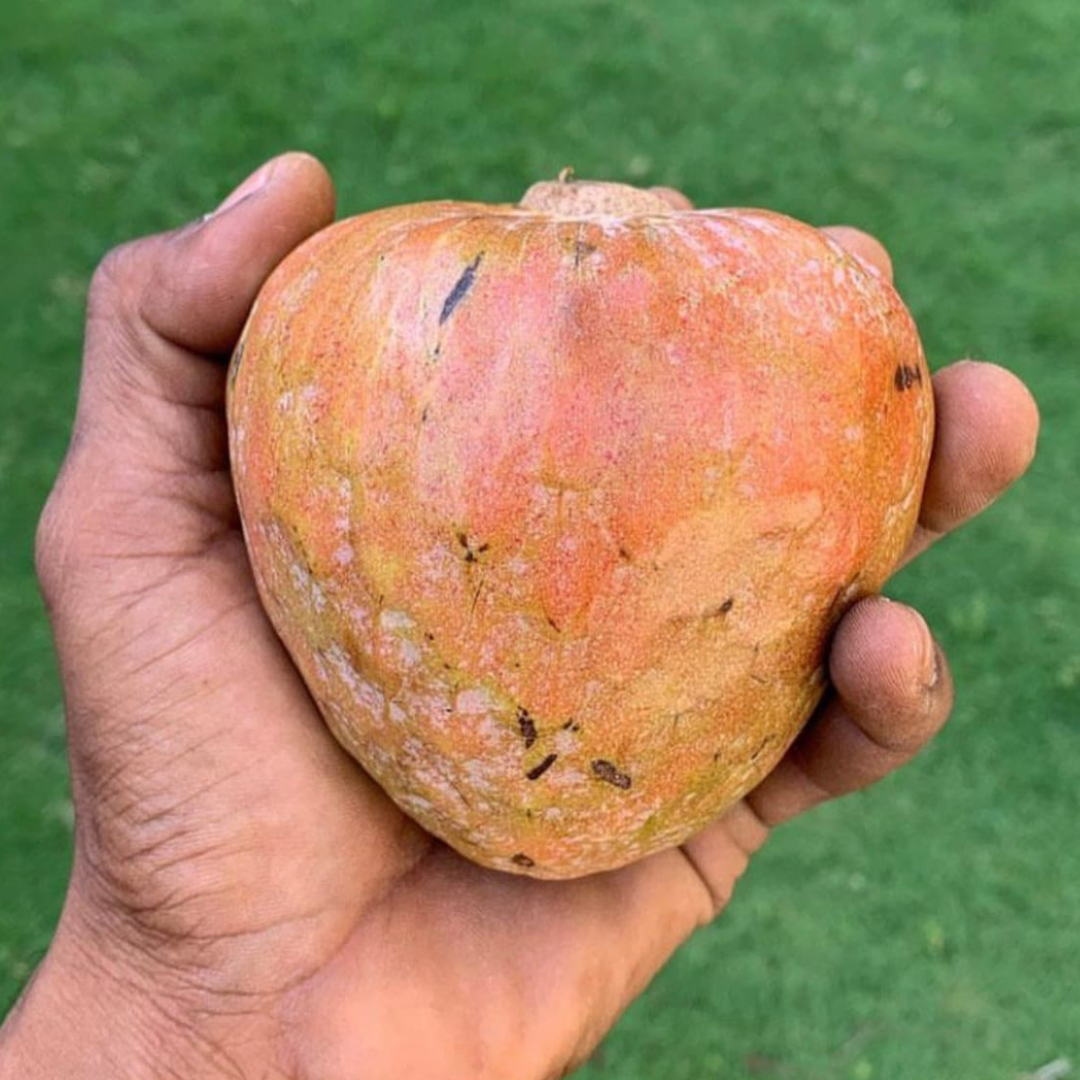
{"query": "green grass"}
(929, 928)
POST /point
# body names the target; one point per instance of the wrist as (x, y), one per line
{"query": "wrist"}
(94, 1011)
(81, 1018)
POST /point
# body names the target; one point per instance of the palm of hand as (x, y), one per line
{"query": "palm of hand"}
(268, 884)
(246, 850)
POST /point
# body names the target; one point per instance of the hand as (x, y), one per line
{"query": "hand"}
(244, 902)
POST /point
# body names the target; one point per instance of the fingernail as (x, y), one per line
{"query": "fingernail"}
(935, 666)
(931, 666)
(255, 182)
(928, 665)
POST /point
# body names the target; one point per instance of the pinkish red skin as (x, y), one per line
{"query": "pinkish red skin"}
(559, 559)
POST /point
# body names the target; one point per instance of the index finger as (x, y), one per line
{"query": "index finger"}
(866, 248)
(987, 426)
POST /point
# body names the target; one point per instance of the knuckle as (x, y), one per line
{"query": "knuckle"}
(59, 538)
(117, 280)
(49, 545)
(108, 274)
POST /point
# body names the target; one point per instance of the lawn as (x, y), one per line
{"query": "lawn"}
(929, 928)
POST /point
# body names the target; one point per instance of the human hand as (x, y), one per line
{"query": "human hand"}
(244, 901)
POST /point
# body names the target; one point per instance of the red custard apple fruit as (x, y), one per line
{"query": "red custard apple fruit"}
(556, 504)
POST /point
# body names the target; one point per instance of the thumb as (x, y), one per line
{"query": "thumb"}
(198, 283)
(147, 470)
(160, 306)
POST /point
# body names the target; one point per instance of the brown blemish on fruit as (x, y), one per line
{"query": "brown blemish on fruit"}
(582, 250)
(538, 770)
(604, 770)
(906, 376)
(460, 289)
(521, 859)
(718, 610)
(527, 726)
(472, 554)
(476, 598)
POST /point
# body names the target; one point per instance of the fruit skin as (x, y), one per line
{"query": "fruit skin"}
(555, 514)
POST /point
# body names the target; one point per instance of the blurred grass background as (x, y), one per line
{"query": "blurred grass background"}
(929, 928)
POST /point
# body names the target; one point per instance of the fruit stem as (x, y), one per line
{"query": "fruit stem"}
(568, 198)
